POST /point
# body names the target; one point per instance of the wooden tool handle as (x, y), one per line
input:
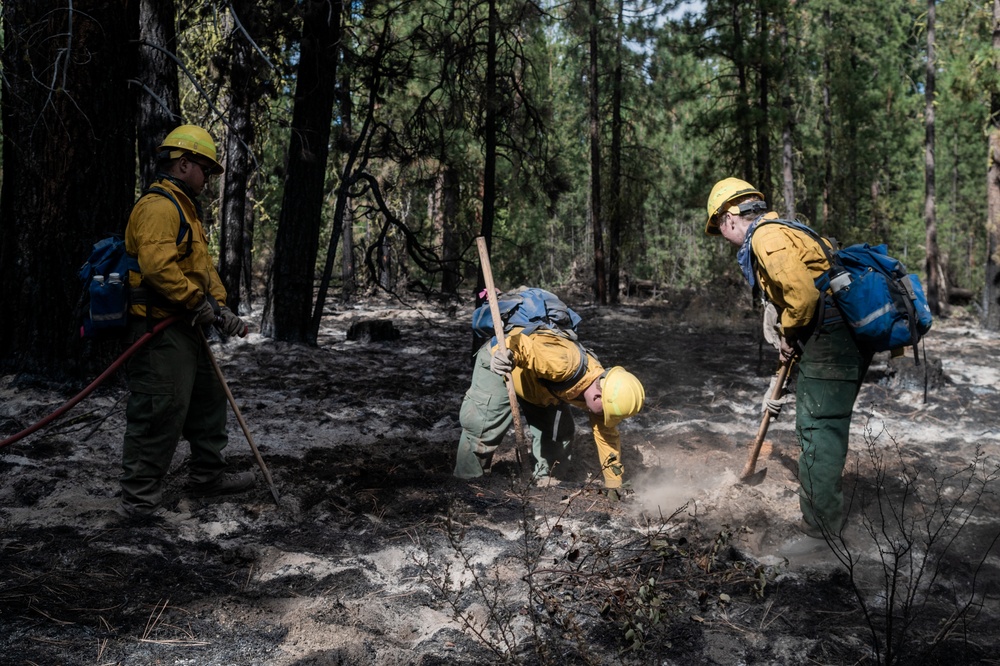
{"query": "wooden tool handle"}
(484, 262)
(765, 421)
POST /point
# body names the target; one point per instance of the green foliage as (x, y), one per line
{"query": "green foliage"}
(847, 77)
(704, 96)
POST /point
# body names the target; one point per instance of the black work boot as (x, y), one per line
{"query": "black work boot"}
(224, 484)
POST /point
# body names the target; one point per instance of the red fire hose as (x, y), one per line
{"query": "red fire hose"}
(94, 384)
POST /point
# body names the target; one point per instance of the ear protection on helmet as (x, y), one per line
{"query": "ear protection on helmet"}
(748, 207)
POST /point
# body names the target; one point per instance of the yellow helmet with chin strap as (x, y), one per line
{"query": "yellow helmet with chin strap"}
(190, 139)
(725, 191)
(622, 395)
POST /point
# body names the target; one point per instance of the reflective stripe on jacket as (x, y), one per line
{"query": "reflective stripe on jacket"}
(151, 236)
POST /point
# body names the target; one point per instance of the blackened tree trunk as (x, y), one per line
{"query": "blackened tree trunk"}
(594, 112)
(348, 271)
(159, 98)
(991, 290)
(237, 212)
(68, 166)
(288, 305)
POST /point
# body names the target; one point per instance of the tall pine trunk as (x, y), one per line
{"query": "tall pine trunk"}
(594, 113)
(933, 265)
(827, 124)
(288, 306)
(763, 136)
(615, 209)
(237, 211)
(159, 96)
(68, 166)
(489, 141)
(991, 290)
(787, 128)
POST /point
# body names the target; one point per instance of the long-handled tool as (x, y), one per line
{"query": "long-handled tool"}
(239, 417)
(484, 261)
(748, 476)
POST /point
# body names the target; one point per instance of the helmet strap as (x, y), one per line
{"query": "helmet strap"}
(748, 207)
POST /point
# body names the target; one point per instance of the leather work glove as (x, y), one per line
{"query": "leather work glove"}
(230, 324)
(502, 364)
(772, 326)
(773, 406)
(204, 312)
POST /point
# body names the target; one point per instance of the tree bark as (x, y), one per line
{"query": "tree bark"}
(159, 96)
(446, 206)
(787, 130)
(615, 190)
(69, 122)
(237, 211)
(596, 214)
(935, 293)
(288, 305)
(763, 139)
(489, 141)
(743, 115)
(827, 124)
(991, 290)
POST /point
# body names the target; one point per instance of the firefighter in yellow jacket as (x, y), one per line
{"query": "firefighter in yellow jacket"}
(174, 389)
(782, 262)
(550, 373)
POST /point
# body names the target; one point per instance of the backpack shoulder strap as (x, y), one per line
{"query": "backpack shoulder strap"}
(185, 228)
(809, 231)
(823, 281)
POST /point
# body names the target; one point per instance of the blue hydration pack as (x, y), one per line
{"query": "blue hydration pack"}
(105, 287)
(104, 302)
(884, 306)
(530, 308)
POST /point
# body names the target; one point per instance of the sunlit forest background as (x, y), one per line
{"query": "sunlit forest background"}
(367, 144)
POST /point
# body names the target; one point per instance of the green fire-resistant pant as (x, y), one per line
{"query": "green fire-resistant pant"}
(174, 392)
(830, 374)
(485, 416)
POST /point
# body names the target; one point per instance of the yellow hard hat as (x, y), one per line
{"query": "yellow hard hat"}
(725, 191)
(190, 139)
(621, 395)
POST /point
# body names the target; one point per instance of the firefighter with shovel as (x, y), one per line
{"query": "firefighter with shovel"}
(782, 262)
(175, 390)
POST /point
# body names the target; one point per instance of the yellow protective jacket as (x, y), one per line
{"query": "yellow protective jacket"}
(151, 237)
(547, 356)
(788, 263)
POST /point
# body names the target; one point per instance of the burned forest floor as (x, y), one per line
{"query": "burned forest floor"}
(375, 554)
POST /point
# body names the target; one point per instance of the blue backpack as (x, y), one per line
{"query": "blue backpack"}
(884, 306)
(104, 302)
(105, 287)
(530, 308)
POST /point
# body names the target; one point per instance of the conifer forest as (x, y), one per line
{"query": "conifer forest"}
(367, 144)
(374, 152)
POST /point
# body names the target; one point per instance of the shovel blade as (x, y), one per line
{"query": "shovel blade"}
(754, 478)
